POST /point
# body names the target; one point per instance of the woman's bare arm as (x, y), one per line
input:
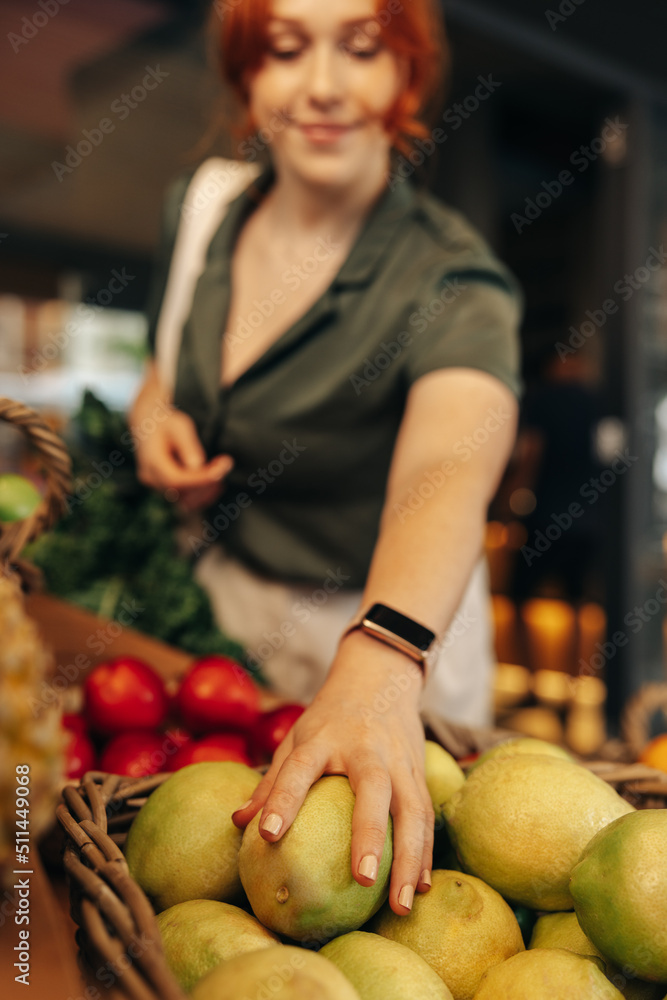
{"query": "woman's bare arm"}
(460, 423)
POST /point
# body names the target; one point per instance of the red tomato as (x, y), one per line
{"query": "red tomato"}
(217, 693)
(123, 694)
(75, 722)
(272, 727)
(221, 746)
(136, 753)
(79, 753)
(174, 739)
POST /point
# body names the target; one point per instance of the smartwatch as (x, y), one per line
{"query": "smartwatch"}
(396, 630)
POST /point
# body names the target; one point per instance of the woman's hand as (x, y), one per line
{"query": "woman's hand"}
(363, 723)
(168, 451)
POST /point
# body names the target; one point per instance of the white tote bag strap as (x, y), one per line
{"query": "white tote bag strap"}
(214, 184)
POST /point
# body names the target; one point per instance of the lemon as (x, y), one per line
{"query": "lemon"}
(547, 974)
(201, 933)
(619, 889)
(18, 497)
(460, 927)
(381, 969)
(302, 885)
(562, 930)
(183, 844)
(520, 824)
(280, 973)
(443, 776)
(520, 745)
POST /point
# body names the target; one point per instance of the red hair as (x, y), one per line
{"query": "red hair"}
(415, 30)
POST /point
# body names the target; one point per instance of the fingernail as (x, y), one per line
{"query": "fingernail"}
(244, 806)
(272, 824)
(368, 867)
(405, 896)
(425, 878)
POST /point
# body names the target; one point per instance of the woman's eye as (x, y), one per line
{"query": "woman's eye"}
(361, 46)
(360, 53)
(285, 53)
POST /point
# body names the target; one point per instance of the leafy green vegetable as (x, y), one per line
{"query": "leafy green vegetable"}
(116, 548)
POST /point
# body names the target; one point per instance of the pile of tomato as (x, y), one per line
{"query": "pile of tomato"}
(130, 724)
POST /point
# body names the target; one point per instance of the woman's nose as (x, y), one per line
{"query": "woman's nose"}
(325, 74)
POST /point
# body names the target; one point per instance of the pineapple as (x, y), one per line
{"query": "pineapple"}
(30, 731)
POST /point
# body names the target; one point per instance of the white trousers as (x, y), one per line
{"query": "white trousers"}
(293, 633)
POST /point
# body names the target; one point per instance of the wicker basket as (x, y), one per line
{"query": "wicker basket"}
(57, 468)
(114, 916)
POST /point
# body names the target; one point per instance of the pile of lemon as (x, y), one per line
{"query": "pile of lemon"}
(528, 833)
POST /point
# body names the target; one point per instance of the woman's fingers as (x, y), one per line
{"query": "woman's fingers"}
(372, 788)
(379, 788)
(300, 769)
(184, 442)
(198, 497)
(424, 883)
(413, 818)
(243, 815)
(173, 457)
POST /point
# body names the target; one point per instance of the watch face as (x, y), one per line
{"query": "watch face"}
(409, 630)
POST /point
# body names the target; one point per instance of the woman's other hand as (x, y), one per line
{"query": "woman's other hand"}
(170, 457)
(364, 723)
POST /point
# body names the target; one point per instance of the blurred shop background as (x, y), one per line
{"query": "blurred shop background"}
(556, 149)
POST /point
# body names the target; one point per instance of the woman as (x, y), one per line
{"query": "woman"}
(386, 380)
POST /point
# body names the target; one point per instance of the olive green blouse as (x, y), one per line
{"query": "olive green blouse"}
(311, 425)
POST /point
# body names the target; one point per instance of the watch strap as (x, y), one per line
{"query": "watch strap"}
(397, 630)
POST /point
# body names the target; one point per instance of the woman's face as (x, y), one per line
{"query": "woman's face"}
(331, 78)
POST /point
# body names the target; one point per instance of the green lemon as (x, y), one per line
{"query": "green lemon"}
(199, 934)
(547, 974)
(18, 497)
(382, 969)
(443, 776)
(619, 889)
(302, 885)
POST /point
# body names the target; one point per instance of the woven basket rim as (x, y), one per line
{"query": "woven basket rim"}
(57, 468)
